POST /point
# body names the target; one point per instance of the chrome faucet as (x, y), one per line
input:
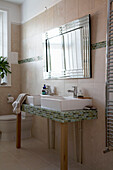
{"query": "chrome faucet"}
(74, 91)
(48, 90)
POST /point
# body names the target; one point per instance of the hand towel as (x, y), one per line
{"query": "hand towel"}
(18, 102)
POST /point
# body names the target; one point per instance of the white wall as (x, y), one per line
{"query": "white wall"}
(31, 8)
(13, 9)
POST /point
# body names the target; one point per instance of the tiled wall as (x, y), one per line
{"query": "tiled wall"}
(15, 38)
(14, 90)
(32, 75)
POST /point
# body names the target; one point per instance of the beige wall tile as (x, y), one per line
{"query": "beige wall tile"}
(99, 96)
(30, 28)
(98, 61)
(71, 12)
(14, 90)
(48, 19)
(38, 45)
(15, 38)
(92, 5)
(98, 25)
(39, 21)
(100, 4)
(30, 47)
(23, 31)
(31, 80)
(23, 54)
(59, 84)
(87, 88)
(83, 7)
(59, 14)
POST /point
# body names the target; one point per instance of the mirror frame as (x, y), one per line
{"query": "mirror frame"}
(76, 24)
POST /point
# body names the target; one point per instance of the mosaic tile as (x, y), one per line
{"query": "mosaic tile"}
(63, 117)
(98, 45)
(38, 58)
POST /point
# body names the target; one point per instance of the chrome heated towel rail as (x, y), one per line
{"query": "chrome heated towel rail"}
(109, 79)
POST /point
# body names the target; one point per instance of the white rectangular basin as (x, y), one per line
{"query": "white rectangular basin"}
(34, 100)
(59, 103)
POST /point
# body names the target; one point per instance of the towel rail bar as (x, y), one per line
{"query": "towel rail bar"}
(109, 80)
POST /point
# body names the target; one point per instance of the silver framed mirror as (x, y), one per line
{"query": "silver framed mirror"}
(67, 50)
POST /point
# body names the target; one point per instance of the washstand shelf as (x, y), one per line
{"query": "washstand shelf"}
(63, 118)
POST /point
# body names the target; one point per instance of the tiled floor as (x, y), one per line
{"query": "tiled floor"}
(32, 156)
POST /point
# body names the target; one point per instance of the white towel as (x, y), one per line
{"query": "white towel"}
(18, 103)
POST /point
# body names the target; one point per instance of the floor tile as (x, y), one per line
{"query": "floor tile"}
(33, 155)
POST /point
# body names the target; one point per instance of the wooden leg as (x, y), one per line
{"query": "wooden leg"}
(75, 141)
(81, 144)
(18, 131)
(77, 138)
(52, 134)
(64, 146)
(48, 131)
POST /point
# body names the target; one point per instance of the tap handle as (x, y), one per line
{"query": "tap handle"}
(75, 87)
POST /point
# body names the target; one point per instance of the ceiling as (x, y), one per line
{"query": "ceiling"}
(15, 1)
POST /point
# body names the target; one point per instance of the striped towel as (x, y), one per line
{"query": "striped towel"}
(18, 102)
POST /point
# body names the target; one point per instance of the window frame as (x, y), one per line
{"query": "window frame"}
(8, 44)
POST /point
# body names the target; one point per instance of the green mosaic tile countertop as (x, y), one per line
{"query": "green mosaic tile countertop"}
(68, 116)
